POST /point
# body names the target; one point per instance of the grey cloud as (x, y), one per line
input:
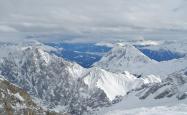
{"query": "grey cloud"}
(92, 18)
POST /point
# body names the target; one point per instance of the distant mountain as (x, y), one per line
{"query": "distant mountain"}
(124, 57)
(65, 86)
(161, 54)
(124, 78)
(84, 54)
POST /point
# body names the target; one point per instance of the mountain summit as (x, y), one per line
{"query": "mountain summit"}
(124, 57)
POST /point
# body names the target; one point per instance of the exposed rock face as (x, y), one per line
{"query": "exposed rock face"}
(16, 101)
(175, 85)
(52, 79)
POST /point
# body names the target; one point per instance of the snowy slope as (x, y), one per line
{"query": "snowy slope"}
(128, 58)
(7, 47)
(124, 57)
(178, 109)
(32, 68)
(67, 87)
(64, 86)
(116, 84)
(166, 97)
(56, 83)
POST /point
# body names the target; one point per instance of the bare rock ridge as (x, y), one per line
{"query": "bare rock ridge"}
(65, 87)
(173, 86)
(16, 101)
(56, 82)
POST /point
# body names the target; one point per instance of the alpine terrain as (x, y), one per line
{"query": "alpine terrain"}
(125, 78)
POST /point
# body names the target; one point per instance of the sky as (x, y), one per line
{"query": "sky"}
(86, 20)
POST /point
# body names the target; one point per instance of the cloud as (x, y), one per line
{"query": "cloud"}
(5, 28)
(93, 18)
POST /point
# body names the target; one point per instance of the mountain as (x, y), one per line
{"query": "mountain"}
(64, 86)
(123, 79)
(7, 47)
(15, 100)
(124, 57)
(173, 86)
(166, 97)
(84, 54)
(55, 82)
(115, 84)
(165, 50)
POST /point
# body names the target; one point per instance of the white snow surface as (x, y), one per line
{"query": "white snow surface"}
(133, 104)
(7, 47)
(115, 74)
(116, 84)
(125, 57)
(17, 95)
(179, 109)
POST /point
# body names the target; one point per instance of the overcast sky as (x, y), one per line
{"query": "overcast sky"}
(91, 19)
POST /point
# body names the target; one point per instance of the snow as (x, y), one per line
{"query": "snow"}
(116, 84)
(113, 84)
(116, 74)
(44, 56)
(124, 57)
(17, 95)
(7, 47)
(131, 105)
(179, 109)
(76, 70)
(163, 68)
(151, 79)
(59, 108)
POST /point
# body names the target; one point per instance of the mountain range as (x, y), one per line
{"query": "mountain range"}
(124, 78)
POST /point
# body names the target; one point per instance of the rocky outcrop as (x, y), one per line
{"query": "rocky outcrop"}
(56, 82)
(16, 101)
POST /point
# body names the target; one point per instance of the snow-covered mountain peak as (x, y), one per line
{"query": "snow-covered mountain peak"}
(123, 57)
(34, 54)
(130, 52)
(112, 84)
(67, 87)
(38, 54)
(51, 79)
(115, 84)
